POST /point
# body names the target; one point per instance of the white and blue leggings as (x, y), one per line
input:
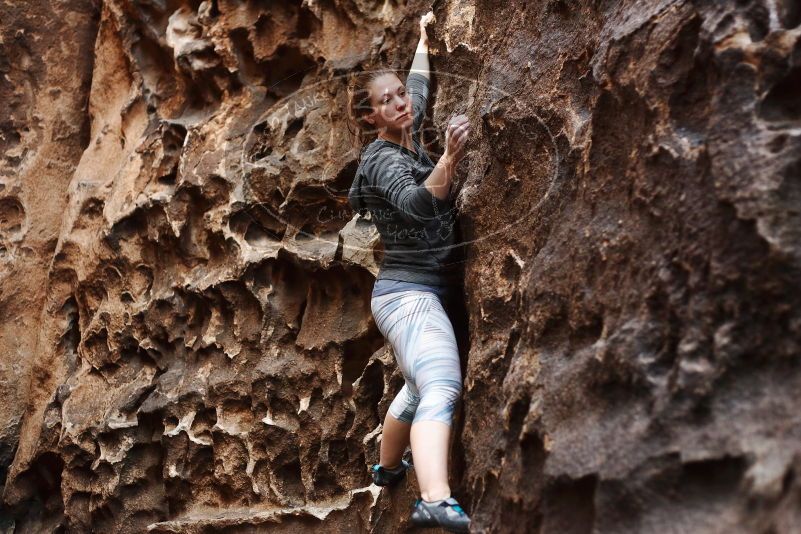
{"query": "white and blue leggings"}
(421, 335)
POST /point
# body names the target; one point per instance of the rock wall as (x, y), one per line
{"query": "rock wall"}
(186, 322)
(44, 129)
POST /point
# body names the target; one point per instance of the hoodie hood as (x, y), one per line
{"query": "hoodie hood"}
(355, 196)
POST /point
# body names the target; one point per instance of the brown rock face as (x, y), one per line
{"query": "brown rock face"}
(44, 129)
(186, 343)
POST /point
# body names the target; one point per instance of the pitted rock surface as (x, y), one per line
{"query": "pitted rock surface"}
(186, 341)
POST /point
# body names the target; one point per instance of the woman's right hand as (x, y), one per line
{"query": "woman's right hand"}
(425, 20)
(456, 136)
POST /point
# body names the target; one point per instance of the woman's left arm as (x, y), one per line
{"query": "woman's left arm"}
(420, 63)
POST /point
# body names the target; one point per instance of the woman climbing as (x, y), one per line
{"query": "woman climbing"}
(409, 200)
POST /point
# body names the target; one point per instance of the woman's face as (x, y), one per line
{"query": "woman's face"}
(392, 105)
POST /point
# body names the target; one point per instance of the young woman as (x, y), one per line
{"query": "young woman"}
(409, 199)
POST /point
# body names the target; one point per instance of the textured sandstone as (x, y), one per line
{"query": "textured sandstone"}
(43, 131)
(184, 291)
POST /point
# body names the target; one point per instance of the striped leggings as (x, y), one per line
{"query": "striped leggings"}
(422, 338)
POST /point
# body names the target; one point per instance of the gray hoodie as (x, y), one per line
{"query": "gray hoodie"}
(418, 230)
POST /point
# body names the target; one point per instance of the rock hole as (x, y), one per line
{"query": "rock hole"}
(46, 471)
(299, 319)
(340, 187)
(713, 476)
(258, 236)
(758, 21)
(307, 144)
(7, 451)
(286, 72)
(168, 179)
(511, 269)
(306, 233)
(262, 146)
(307, 22)
(560, 7)
(787, 481)
(356, 355)
(589, 331)
(12, 215)
(203, 422)
(369, 393)
(249, 69)
(239, 222)
(92, 208)
(790, 13)
(777, 143)
(293, 128)
(676, 61)
(783, 102)
(170, 422)
(338, 452)
(290, 481)
(71, 338)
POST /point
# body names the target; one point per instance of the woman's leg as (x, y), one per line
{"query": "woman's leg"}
(394, 439)
(438, 377)
(395, 316)
(430, 440)
(422, 337)
(397, 425)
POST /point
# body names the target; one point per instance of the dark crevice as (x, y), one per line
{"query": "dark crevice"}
(356, 354)
(790, 13)
(783, 102)
(293, 128)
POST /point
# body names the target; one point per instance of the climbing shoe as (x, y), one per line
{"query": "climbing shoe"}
(387, 477)
(445, 513)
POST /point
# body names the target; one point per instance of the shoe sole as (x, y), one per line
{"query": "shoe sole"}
(434, 524)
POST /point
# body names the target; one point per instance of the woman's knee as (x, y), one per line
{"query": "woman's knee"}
(438, 402)
(404, 405)
(442, 412)
(451, 391)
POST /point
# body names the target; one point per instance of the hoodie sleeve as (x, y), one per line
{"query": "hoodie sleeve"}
(418, 87)
(391, 176)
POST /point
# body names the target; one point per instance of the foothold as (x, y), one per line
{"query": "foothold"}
(12, 216)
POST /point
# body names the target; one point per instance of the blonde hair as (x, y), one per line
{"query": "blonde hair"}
(360, 105)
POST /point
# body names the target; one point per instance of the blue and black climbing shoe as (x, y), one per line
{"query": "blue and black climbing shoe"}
(445, 513)
(387, 477)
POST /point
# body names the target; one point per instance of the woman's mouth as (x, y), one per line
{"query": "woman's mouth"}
(401, 117)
